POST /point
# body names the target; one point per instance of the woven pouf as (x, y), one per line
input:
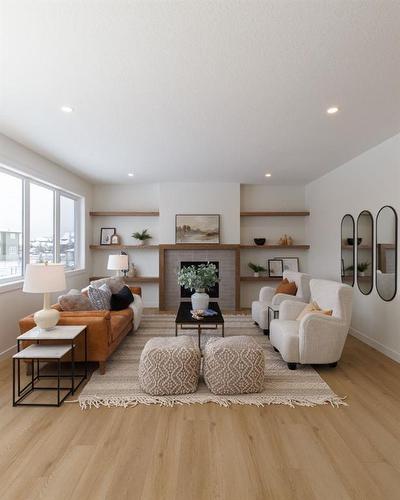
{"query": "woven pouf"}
(169, 365)
(233, 365)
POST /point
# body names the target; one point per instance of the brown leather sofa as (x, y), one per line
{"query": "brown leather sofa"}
(105, 330)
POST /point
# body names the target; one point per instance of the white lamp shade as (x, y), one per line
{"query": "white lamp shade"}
(117, 262)
(44, 278)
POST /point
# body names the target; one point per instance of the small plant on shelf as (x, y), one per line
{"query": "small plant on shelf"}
(361, 268)
(256, 269)
(142, 237)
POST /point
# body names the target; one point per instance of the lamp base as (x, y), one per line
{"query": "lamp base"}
(46, 319)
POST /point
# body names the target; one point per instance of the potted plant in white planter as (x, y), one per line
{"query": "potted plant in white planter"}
(142, 237)
(256, 269)
(199, 279)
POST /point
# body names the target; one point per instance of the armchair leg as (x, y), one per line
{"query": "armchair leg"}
(255, 322)
(266, 332)
(102, 366)
(275, 349)
(333, 365)
(292, 366)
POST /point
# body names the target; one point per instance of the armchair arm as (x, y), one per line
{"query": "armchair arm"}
(290, 309)
(321, 338)
(266, 294)
(278, 298)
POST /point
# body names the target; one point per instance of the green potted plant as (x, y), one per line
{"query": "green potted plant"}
(142, 237)
(361, 268)
(256, 269)
(198, 279)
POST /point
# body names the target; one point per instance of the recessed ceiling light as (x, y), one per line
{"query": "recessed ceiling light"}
(130, 174)
(332, 110)
(268, 175)
(66, 109)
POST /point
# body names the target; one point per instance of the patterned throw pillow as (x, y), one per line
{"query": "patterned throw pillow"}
(100, 298)
(74, 302)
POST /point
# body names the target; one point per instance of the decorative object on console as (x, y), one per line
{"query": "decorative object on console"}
(289, 241)
(275, 268)
(132, 271)
(115, 239)
(106, 233)
(192, 228)
(256, 269)
(260, 241)
(198, 279)
(45, 278)
(142, 236)
(290, 263)
(117, 263)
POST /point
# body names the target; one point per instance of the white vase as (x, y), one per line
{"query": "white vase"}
(200, 300)
(256, 275)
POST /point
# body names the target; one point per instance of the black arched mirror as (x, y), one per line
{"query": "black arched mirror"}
(365, 252)
(348, 249)
(386, 253)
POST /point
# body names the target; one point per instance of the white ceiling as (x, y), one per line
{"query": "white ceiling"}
(198, 90)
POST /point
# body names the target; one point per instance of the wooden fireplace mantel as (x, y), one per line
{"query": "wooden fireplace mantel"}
(197, 246)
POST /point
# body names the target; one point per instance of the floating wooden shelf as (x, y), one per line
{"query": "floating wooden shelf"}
(276, 247)
(260, 278)
(274, 214)
(124, 213)
(110, 248)
(136, 279)
(360, 247)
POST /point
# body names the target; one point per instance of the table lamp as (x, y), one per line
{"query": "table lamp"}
(117, 263)
(45, 278)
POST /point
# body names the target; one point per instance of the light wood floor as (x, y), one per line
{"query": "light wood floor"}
(208, 452)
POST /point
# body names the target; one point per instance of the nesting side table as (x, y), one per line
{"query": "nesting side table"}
(44, 349)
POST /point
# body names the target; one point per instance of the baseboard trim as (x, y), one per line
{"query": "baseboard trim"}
(8, 352)
(390, 353)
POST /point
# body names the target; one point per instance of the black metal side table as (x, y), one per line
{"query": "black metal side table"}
(273, 311)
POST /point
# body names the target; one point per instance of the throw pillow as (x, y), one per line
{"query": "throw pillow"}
(289, 288)
(74, 302)
(122, 299)
(313, 307)
(100, 298)
(115, 283)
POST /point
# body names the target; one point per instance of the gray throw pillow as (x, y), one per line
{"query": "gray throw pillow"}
(100, 298)
(115, 283)
(74, 302)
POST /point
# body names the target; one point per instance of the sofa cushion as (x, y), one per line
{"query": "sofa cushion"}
(100, 297)
(115, 283)
(120, 323)
(122, 299)
(72, 302)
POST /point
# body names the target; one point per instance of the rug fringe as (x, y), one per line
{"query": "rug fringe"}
(88, 402)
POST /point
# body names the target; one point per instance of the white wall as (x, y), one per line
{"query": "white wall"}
(15, 304)
(365, 183)
(270, 198)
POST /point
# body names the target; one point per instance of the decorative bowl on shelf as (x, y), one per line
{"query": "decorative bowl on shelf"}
(259, 241)
(350, 241)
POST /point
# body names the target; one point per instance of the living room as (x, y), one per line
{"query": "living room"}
(199, 230)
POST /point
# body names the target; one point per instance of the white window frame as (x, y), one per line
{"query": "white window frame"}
(16, 282)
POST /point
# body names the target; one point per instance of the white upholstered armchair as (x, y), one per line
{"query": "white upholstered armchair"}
(316, 338)
(259, 308)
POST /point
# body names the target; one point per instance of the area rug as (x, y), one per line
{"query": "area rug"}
(120, 385)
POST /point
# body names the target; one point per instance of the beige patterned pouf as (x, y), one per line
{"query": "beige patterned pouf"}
(169, 365)
(233, 365)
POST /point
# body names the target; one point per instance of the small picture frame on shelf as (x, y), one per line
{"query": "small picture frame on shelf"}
(290, 264)
(106, 234)
(275, 268)
(115, 239)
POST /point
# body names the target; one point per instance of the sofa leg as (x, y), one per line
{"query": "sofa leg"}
(102, 366)
(275, 349)
(292, 366)
(266, 332)
(333, 365)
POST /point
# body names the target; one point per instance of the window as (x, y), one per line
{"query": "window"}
(38, 223)
(41, 248)
(67, 232)
(11, 257)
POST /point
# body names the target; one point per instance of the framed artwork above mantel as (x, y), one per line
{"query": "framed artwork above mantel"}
(197, 228)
